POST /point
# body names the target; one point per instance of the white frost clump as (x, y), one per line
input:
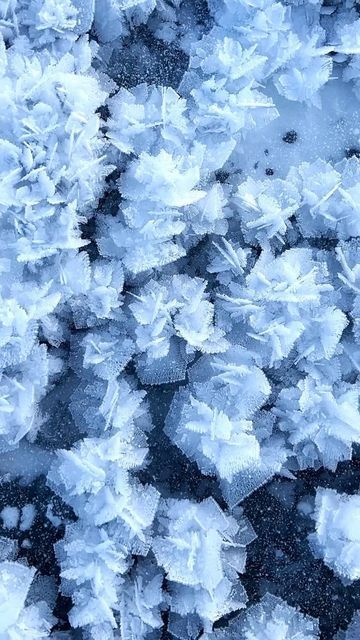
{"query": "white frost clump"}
(217, 422)
(58, 170)
(216, 436)
(21, 390)
(337, 537)
(201, 549)
(106, 595)
(265, 208)
(95, 476)
(275, 618)
(141, 601)
(177, 307)
(17, 620)
(329, 197)
(147, 118)
(322, 421)
(271, 618)
(92, 562)
(102, 353)
(162, 202)
(278, 305)
(52, 172)
(114, 18)
(10, 517)
(117, 403)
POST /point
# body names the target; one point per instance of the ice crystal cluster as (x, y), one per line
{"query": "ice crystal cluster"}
(179, 319)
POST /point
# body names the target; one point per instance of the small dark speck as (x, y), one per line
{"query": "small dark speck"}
(290, 137)
(352, 151)
(221, 176)
(269, 172)
(256, 165)
(266, 151)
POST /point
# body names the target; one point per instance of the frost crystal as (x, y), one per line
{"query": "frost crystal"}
(18, 620)
(201, 549)
(271, 618)
(336, 539)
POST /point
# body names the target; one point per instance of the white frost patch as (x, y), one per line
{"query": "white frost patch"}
(10, 517)
(28, 514)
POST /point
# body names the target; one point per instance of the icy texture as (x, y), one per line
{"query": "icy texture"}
(177, 308)
(282, 299)
(230, 439)
(323, 423)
